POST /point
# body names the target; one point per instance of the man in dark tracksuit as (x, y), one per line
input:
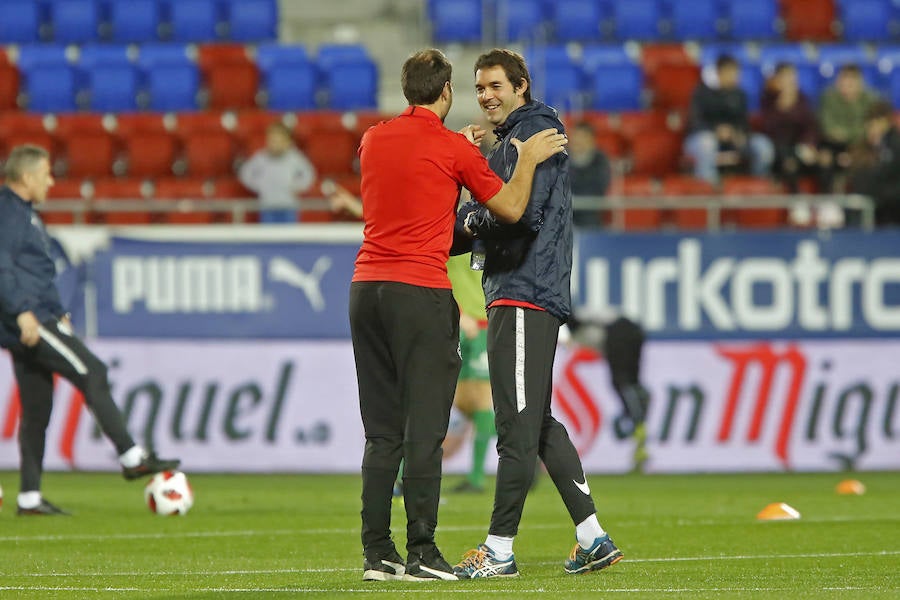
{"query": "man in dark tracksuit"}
(527, 289)
(36, 330)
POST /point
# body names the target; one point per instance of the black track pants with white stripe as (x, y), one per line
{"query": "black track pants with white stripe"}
(521, 348)
(59, 351)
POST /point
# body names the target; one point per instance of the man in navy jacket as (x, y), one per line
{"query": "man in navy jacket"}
(35, 328)
(527, 272)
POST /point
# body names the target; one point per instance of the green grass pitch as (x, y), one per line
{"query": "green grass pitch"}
(285, 536)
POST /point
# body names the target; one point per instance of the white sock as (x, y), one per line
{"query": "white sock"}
(587, 531)
(132, 457)
(500, 546)
(29, 499)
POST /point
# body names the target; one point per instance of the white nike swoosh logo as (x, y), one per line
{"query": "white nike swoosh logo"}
(439, 574)
(583, 487)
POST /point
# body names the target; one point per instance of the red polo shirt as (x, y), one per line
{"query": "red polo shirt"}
(412, 170)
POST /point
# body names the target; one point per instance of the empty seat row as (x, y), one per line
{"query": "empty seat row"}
(203, 144)
(585, 20)
(164, 77)
(132, 21)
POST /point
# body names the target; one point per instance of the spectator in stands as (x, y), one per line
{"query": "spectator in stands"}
(842, 119)
(789, 121)
(880, 179)
(589, 171)
(277, 173)
(720, 128)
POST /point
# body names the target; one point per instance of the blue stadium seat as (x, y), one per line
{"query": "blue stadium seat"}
(577, 20)
(598, 56)
(20, 23)
(834, 56)
(74, 21)
(695, 19)
(111, 78)
(288, 77)
(194, 20)
(348, 75)
(755, 20)
(135, 21)
(887, 61)
(252, 20)
(520, 20)
(617, 88)
(636, 19)
(866, 20)
(171, 79)
(807, 70)
(555, 77)
(456, 20)
(48, 77)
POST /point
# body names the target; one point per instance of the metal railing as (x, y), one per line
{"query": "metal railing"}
(714, 205)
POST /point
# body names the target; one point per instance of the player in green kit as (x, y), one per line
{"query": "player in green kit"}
(473, 388)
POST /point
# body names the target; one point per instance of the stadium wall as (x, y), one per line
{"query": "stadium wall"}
(766, 351)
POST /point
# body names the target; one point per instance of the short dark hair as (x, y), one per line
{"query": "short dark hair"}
(851, 69)
(726, 60)
(513, 65)
(784, 66)
(880, 109)
(21, 160)
(424, 75)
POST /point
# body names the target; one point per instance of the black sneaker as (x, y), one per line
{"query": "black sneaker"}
(388, 568)
(45, 508)
(467, 487)
(149, 465)
(429, 566)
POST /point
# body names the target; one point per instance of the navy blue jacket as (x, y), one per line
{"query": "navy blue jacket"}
(27, 272)
(530, 260)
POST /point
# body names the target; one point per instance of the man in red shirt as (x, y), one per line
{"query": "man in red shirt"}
(404, 321)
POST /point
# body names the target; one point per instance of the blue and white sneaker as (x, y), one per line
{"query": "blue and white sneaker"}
(481, 562)
(602, 553)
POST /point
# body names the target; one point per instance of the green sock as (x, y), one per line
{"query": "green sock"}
(483, 421)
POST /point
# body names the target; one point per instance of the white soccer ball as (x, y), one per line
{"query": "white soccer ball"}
(169, 493)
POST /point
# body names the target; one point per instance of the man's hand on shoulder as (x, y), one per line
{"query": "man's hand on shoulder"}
(541, 146)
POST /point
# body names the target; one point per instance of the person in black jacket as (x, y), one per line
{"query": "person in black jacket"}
(720, 128)
(880, 178)
(527, 270)
(589, 170)
(36, 330)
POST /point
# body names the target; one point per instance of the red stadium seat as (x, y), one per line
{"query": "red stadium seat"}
(209, 154)
(674, 85)
(121, 188)
(190, 123)
(756, 217)
(189, 193)
(128, 124)
(611, 143)
(88, 154)
(250, 129)
(36, 138)
(150, 154)
(809, 19)
(9, 87)
(230, 188)
(363, 119)
(18, 123)
(317, 123)
(63, 189)
(333, 152)
(232, 86)
(685, 185)
(656, 153)
(72, 124)
(637, 219)
(633, 124)
(211, 55)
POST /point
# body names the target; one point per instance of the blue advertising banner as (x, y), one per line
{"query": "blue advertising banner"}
(744, 285)
(167, 289)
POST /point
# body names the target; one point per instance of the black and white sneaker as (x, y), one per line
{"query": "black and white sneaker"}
(45, 509)
(150, 464)
(389, 568)
(429, 566)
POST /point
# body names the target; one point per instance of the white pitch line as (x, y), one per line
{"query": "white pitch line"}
(625, 562)
(442, 588)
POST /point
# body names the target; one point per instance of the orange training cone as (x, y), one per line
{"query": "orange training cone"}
(850, 487)
(778, 511)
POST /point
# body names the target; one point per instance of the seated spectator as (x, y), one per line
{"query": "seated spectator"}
(278, 173)
(842, 122)
(789, 121)
(720, 128)
(880, 177)
(589, 171)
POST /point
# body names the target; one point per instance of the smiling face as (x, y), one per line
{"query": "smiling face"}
(496, 94)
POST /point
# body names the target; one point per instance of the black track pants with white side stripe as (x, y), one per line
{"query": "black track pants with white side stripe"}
(521, 349)
(59, 351)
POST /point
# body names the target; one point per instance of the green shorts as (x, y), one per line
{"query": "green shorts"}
(474, 357)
